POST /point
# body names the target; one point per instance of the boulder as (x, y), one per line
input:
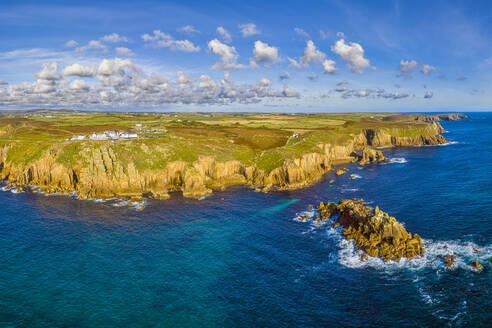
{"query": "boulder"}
(476, 265)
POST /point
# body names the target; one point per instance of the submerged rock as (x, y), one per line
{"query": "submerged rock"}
(341, 171)
(372, 230)
(448, 260)
(476, 265)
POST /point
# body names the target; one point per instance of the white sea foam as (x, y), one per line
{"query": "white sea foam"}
(449, 143)
(350, 189)
(126, 203)
(348, 256)
(399, 160)
(355, 176)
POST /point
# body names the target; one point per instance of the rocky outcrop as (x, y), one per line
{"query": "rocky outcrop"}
(373, 231)
(101, 172)
(370, 155)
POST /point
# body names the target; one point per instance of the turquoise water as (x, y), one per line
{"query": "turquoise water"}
(240, 258)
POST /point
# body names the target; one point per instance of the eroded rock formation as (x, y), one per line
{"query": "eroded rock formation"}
(373, 231)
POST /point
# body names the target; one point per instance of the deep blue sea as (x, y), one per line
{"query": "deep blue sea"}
(240, 258)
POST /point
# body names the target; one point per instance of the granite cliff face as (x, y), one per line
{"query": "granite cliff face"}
(373, 231)
(102, 173)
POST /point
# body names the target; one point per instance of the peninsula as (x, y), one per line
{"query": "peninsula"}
(142, 155)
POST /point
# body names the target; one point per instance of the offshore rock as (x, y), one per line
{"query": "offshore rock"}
(476, 265)
(370, 155)
(372, 230)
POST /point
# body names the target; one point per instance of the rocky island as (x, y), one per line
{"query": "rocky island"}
(194, 153)
(373, 231)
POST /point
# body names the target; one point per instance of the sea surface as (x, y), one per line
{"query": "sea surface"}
(242, 259)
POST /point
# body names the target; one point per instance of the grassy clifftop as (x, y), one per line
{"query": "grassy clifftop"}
(261, 143)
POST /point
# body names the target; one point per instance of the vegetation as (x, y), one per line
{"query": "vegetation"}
(263, 140)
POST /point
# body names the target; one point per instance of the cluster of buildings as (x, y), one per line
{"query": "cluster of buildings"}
(117, 135)
(107, 135)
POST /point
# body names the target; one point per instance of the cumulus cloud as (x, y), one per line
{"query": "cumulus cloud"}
(427, 69)
(263, 53)
(311, 55)
(301, 32)
(160, 39)
(228, 55)
(92, 45)
(249, 29)
(71, 44)
(428, 94)
(224, 34)
(352, 54)
(79, 70)
(341, 89)
(79, 85)
(47, 79)
(343, 82)
(188, 29)
(122, 84)
(329, 66)
(407, 67)
(2, 82)
(284, 76)
(122, 51)
(114, 38)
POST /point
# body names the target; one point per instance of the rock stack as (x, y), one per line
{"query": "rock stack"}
(373, 231)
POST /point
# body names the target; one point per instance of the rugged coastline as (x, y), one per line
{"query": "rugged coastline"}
(102, 170)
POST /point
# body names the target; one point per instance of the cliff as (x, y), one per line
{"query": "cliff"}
(105, 169)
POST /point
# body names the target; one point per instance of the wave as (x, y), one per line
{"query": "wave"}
(348, 256)
(449, 143)
(398, 160)
(350, 189)
(355, 176)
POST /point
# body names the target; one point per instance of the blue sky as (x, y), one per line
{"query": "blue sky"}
(247, 55)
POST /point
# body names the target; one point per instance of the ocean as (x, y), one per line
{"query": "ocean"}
(241, 259)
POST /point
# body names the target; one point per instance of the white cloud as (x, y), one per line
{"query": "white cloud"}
(224, 34)
(79, 70)
(428, 95)
(122, 84)
(311, 55)
(249, 29)
(352, 54)
(263, 53)
(79, 85)
(343, 82)
(228, 55)
(329, 66)
(427, 69)
(163, 40)
(114, 38)
(407, 67)
(2, 82)
(92, 45)
(122, 51)
(71, 44)
(49, 72)
(188, 29)
(301, 32)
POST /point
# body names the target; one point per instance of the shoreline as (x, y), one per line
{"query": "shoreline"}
(103, 175)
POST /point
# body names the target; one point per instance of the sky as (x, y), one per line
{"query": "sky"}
(289, 56)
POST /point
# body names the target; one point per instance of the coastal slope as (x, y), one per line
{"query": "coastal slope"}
(193, 153)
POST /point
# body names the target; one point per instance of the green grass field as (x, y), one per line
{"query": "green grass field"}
(264, 140)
